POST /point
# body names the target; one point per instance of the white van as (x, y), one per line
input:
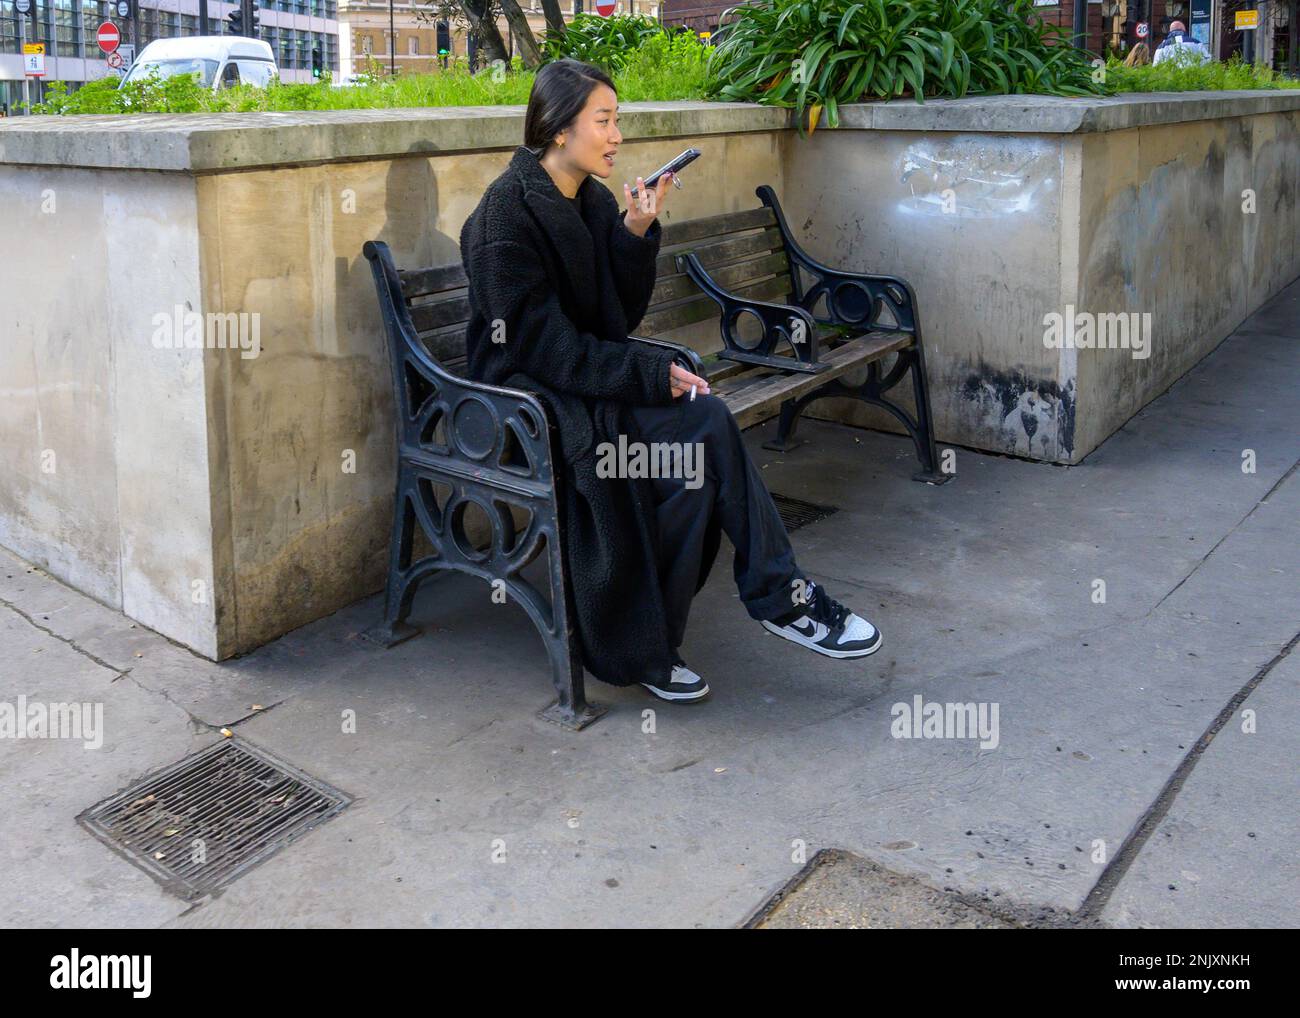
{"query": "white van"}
(219, 60)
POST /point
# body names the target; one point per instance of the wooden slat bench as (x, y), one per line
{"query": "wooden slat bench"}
(492, 446)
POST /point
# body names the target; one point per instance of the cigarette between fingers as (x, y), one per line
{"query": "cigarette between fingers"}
(692, 394)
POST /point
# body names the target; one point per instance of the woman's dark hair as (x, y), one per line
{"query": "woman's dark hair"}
(560, 91)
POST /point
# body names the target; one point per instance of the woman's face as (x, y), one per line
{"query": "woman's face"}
(591, 143)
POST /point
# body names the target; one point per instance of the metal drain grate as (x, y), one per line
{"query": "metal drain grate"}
(207, 819)
(796, 513)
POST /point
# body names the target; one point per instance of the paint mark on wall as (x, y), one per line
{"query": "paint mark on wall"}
(1033, 418)
(977, 177)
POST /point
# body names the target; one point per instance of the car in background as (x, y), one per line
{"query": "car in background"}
(353, 80)
(220, 61)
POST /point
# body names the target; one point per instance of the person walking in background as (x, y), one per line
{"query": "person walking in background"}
(1180, 46)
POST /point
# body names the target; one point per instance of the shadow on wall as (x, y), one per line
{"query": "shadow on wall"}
(313, 495)
(411, 209)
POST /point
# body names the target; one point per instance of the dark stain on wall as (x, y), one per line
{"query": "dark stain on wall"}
(1025, 406)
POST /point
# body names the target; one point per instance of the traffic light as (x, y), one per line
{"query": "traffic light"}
(246, 26)
(317, 64)
(444, 41)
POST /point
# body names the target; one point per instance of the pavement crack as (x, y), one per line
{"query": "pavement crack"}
(1099, 897)
(472, 732)
(118, 673)
(254, 714)
(195, 720)
(1232, 530)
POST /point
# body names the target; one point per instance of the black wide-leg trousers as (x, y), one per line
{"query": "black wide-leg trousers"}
(730, 489)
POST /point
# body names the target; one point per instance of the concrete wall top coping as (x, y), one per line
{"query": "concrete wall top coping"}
(206, 143)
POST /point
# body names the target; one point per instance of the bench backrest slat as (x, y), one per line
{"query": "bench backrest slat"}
(445, 344)
(690, 231)
(742, 251)
(451, 310)
(677, 286)
(721, 250)
(702, 308)
(421, 282)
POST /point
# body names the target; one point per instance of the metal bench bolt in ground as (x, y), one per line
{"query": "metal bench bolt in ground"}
(463, 443)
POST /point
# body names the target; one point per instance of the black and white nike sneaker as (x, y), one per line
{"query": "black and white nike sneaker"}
(681, 685)
(823, 624)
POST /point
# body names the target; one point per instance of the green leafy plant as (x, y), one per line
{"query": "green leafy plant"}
(815, 54)
(181, 93)
(663, 65)
(606, 42)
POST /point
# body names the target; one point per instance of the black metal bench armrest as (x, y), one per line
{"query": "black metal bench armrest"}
(476, 416)
(781, 322)
(852, 298)
(686, 357)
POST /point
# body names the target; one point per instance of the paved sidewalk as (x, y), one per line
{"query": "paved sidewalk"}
(983, 589)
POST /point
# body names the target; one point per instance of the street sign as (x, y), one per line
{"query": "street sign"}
(121, 59)
(1202, 12)
(1247, 19)
(34, 59)
(1142, 29)
(123, 9)
(109, 37)
(22, 6)
(605, 7)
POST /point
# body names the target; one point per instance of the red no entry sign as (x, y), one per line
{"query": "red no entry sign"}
(605, 7)
(108, 37)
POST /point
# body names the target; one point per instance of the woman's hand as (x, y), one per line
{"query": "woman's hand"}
(645, 207)
(681, 381)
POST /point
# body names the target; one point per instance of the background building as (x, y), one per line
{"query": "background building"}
(697, 15)
(67, 27)
(1113, 24)
(364, 31)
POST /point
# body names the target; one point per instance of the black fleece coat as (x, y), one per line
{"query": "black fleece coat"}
(569, 288)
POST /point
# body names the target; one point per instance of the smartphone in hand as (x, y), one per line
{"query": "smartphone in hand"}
(673, 166)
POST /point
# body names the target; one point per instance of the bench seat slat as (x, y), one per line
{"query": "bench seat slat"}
(717, 369)
(760, 399)
(754, 393)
